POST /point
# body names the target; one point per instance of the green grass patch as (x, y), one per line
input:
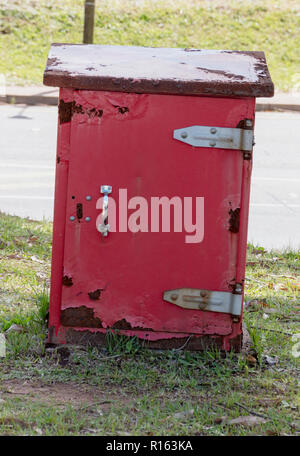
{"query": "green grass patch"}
(27, 28)
(125, 389)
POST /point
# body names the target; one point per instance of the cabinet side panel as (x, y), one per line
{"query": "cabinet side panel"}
(59, 218)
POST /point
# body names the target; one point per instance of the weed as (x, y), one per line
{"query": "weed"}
(116, 343)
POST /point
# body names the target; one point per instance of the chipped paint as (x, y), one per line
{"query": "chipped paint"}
(67, 281)
(95, 295)
(119, 281)
(80, 316)
(124, 324)
(234, 220)
(65, 110)
(181, 341)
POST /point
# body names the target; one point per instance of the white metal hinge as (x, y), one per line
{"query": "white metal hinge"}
(216, 137)
(214, 301)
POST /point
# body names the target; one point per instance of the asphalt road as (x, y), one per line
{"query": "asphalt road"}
(27, 162)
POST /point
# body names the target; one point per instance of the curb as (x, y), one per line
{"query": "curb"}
(49, 97)
(260, 107)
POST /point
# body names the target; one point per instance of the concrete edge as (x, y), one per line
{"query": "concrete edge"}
(260, 107)
(30, 100)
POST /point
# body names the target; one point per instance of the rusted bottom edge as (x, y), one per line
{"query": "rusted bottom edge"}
(190, 343)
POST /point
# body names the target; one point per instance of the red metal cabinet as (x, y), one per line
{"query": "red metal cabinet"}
(153, 172)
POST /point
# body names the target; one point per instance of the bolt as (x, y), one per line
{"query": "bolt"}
(184, 134)
(213, 130)
(238, 288)
(87, 219)
(174, 297)
(72, 218)
(212, 143)
(203, 294)
(88, 197)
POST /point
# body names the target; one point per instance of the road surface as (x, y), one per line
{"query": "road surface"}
(27, 162)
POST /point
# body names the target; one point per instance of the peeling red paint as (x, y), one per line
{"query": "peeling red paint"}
(188, 342)
(124, 324)
(234, 220)
(65, 110)
(124, 139)
(95, 295)
(67, 281)
(80, 317)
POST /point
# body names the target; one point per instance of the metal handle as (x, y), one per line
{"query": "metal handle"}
(103, 228)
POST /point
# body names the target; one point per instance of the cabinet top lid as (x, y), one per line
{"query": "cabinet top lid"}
(159, 70)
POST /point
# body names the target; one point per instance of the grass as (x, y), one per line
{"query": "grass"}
(28, 27)
(125, 389)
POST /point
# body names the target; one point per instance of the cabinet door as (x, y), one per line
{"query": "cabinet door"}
(120, 280)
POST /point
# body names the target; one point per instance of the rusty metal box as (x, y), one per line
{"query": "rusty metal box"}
(153, 171)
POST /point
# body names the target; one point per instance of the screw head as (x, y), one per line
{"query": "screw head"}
(88, 197)
(184, 134)
(87, 219)
(174, 297)
(212, 143)
(72, 218)
(213, 130)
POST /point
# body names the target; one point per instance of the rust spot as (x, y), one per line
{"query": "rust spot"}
(192, 343)
(231, 285)
(234, 220)
(121, 109)
(81, 317)
(77, 109)
(223, 73)
(124, 324)
(79, 211)
(91, 112)
(65, 111)
(94, 295)
(58, 159)
(67, 281)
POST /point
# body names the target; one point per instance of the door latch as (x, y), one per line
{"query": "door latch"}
(103, 227)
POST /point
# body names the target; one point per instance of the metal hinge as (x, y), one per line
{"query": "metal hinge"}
(217, 137)
(214, 301)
